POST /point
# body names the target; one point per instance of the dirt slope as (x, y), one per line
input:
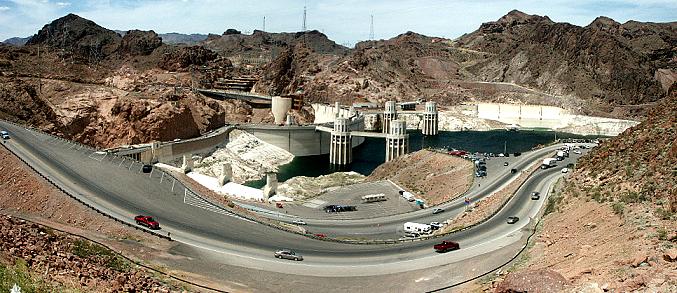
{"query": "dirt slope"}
(612, 225)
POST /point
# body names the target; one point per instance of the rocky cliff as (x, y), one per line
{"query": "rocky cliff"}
(604, 62)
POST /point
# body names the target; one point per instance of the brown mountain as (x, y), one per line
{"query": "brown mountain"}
(78, 36)
(604, 62)
(233, 42)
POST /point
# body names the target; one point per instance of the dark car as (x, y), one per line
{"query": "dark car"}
(445, 246)
(505, 163)
(513, 219)
(517, 154)
(288, 254)
(147, 221)
(147, 168)
(513, 170)
(535, 195)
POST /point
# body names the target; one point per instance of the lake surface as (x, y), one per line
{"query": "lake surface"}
(371, 153)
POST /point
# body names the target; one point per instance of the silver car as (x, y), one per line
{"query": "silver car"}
(288, 254)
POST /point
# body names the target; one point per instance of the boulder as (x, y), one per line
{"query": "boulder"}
(670, 255)
(540, 280)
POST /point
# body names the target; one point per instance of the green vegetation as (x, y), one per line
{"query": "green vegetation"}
(664, 214)
(632, 197)
(18, 274)
(86, 249)
(662, 234)
(618, 208)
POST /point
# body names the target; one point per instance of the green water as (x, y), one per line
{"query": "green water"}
(371, 153)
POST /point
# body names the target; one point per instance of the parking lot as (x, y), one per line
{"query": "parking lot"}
(352, 195)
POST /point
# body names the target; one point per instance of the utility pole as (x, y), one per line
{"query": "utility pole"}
(264, 23)
(371, 28)
(505, 147)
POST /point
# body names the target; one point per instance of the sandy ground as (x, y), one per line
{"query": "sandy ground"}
(432, 176)
(598, 250)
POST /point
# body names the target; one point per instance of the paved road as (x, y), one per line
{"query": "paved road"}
(118, 186)
(391, 227)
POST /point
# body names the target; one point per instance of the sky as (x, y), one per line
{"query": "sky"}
(344, 21)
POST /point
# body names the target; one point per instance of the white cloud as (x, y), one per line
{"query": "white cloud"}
(63, 4)
(4, 8)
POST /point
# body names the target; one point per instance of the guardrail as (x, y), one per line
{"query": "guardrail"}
(77, 198)
(267, 222)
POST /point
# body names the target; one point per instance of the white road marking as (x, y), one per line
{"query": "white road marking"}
(190, 199)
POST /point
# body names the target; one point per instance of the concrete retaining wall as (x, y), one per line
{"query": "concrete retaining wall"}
(170, 151)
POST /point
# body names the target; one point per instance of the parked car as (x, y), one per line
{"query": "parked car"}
(565, 170)
(435, 225)
(535, 195)
(577, 152)
(445, 246)
(505, 163)
(147, 221)
(517, 154)
(299, 222)
(147, 168)
(513, 170)
(513, 219)
(437, 211)
(288, 254)
(4, 134)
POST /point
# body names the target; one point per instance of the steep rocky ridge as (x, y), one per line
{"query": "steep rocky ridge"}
(604, 62)
(78, 36)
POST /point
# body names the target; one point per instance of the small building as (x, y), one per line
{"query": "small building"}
(408, 105)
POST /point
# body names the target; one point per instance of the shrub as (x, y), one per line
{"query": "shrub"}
(618, 208)
(662, 234)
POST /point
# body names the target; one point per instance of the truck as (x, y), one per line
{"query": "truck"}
(4, 134)
(408, 196)
(560, 155)
(147, 221)
(549, 162)
(445, 246)
(417, 228)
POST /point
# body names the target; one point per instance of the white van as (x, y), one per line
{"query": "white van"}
(417, 228)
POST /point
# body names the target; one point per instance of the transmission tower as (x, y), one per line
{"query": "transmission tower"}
(264, 23)
(371, 28)
(304, 19)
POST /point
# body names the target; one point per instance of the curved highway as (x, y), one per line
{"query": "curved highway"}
(108, 183)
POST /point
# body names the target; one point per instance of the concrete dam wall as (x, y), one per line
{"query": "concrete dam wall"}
(301, 140)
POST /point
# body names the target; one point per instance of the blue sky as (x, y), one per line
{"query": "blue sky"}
(344, 21)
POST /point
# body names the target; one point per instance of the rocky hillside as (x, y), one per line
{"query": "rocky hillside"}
(611, 225)
(604, 69)
(81, 81)
(607, 63)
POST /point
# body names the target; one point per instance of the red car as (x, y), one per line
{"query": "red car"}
(147, 221)
(446, 246)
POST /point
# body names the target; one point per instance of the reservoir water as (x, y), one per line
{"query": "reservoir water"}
(371, 153)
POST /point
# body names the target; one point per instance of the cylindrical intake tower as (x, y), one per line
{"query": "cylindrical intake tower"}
(397, 140)
(430, 119)
(389, 115)
(341, 147)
